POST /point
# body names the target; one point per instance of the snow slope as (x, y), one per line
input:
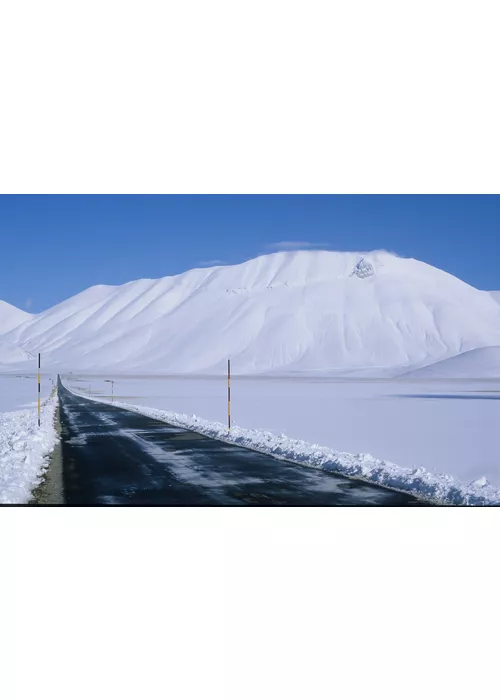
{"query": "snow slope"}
(294, 311)
(496, 296)
(10, 317)
(482, 363)
(12, 354)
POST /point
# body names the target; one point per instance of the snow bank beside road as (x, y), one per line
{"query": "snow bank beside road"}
(438, 488)
(24, 450)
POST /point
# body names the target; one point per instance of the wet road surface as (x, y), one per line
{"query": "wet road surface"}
(116, 457)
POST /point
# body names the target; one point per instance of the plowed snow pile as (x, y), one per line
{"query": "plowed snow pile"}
(24, 450)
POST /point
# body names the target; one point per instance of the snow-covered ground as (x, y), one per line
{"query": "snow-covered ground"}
(422, 428)
(20, 391)
(24, 449)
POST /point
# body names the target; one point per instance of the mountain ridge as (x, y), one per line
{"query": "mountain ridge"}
(290, 311)
(11, 317)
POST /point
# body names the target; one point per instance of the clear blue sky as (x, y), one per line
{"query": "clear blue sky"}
(55, 246)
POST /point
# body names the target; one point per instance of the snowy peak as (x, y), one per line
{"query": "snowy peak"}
(11, 317)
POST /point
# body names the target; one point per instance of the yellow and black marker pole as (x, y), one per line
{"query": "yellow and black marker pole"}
(229, 395)
(38, 389)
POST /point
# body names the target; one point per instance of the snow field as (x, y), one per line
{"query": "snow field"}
(19, 391)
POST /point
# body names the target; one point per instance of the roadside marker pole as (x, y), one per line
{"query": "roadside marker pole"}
(38, 389)
(229, 395)
(112, 382)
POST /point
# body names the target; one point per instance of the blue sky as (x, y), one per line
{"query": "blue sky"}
(54, 246)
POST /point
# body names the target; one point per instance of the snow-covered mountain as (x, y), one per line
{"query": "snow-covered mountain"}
(294, 311)
(482, 363)
(496, 296)
(12, 354)
(10, 317)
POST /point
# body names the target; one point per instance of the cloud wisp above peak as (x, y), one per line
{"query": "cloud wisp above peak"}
(296, 245)
(212, 263)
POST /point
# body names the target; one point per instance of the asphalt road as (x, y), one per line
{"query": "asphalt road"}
(111, 456)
